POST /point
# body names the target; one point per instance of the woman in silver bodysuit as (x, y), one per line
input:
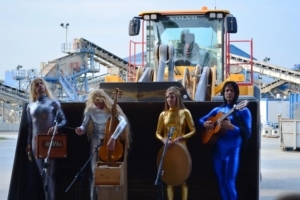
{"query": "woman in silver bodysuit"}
(41, 113)
(97, 111)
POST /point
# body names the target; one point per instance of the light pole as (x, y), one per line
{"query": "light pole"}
(66, 27)
(266, 59)
(18, 67)
(19, 75)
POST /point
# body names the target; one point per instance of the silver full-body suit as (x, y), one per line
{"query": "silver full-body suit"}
(40, 116)
(99, 119)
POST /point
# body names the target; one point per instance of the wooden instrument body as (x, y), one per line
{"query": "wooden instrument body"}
(111, 125)
(211, 136)
(58, 149)
(177, 164)
(117, 153)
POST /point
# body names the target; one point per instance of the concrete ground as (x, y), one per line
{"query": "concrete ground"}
(280, 169)
(7, 154)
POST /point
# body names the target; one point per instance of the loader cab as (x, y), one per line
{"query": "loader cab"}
(197, 36)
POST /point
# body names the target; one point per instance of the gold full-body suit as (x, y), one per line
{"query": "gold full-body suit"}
(181, 120)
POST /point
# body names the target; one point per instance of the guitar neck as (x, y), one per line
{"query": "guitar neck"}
(113, 112)
(114, 106)
(227, 114)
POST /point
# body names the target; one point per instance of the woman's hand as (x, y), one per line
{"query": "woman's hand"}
(226, 124)
(28, 152)
(111, 144)
(28, 148)
(50, 131)
(178, 139)
(208, 125)
(79, 131)
(164, 140)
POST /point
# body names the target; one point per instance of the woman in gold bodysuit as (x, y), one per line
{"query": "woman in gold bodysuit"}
(175, 115)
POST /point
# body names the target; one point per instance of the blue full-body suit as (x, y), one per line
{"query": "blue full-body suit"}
(226, 154)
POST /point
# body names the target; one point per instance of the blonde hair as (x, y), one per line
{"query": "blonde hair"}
(33, 95)
(179, 104)
(98, 95)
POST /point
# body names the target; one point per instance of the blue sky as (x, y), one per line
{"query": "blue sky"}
(31, 31)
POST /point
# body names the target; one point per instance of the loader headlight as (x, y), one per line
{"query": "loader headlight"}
(219, 15)
(153, 16)
(150, 17)
(215, 15)
(212, 15)
(146, 17)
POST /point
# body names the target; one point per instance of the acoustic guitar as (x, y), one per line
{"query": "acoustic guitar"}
(211, 135)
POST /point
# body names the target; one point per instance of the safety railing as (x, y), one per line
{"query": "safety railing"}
(230, 64)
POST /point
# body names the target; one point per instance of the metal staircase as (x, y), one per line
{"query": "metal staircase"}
(69, 85)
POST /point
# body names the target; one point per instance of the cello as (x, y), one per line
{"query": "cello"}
(111, 125)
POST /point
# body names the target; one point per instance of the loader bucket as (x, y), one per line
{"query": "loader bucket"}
(142, 169)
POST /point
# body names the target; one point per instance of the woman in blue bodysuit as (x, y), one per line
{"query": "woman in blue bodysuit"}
(227, 149)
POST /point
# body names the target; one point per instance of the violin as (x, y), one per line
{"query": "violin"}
(111, 125)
